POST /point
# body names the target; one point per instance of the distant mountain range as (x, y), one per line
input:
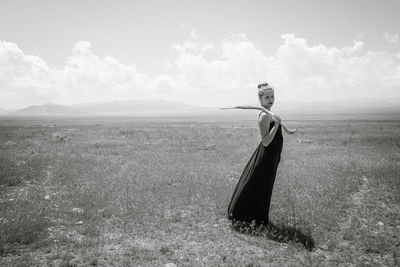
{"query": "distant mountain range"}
(295, 110)
(132, 107)
(340, 106)
(3, 111)
(115, 108)
(344, 109)
(48, 110)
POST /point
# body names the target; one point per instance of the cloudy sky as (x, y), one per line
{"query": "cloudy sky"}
(205, 53)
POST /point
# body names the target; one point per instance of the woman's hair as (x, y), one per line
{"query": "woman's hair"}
(262, 87)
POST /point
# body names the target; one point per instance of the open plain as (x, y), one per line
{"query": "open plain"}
(131, 192)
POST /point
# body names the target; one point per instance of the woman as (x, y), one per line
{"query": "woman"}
(252, 195)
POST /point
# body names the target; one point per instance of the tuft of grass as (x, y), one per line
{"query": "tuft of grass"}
(10, 172)
(25, 220)
(280, 233)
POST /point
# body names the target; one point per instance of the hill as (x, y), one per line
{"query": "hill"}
(336, 110)
(137, 107)
(48, 109)
(3, 111)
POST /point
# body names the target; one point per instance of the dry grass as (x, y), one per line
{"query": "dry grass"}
(137, 193)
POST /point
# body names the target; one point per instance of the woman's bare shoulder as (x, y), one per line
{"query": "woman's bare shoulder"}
(263, 117)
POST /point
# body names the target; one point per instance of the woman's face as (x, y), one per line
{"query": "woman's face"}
(267, 99)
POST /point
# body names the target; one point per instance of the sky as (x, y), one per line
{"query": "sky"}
(204, 53)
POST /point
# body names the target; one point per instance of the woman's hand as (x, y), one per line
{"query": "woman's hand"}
(276, 119)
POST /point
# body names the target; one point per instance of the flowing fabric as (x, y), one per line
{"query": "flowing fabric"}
(252, 195)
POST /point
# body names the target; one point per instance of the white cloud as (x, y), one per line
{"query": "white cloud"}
(88, 77)
(219, 74)
(318, 72)
(298, 70)
(194, 34)
(85, 78)
(392, 38)
(23, 78)
(20, 70)
(204, 73)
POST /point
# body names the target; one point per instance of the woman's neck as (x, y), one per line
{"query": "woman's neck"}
(268, 108)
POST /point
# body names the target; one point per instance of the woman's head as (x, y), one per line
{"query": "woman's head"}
(266, 95)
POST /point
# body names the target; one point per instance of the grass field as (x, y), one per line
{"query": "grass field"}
(147, 193)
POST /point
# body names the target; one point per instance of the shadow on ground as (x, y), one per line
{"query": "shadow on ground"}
(279, 233)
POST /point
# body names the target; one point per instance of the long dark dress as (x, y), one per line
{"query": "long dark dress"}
(252, 195)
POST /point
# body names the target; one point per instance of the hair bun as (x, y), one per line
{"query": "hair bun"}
(262, 84)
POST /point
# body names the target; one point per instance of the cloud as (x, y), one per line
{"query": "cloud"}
(87, 77)
(219, 74)
(230, 70)
(391, 38)
(23, 78)
(205, 73)
(20, 70)
(325, 73)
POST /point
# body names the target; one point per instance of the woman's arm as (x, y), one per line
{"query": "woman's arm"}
(287, 130)
(266, 135)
